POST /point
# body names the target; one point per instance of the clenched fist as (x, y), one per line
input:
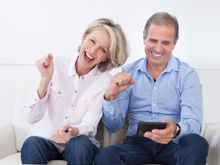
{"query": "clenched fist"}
(45, 66)
(119, 83)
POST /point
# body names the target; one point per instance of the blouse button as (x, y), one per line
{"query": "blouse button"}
(59, 92)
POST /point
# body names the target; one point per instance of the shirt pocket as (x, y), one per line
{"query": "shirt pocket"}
(56, 99)
(82, 106)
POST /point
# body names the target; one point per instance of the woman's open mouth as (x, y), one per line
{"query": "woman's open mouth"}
(87, 57)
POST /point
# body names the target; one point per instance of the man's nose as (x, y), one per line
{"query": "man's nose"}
(158, 47)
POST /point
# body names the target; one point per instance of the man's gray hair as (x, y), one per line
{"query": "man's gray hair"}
(163, 18)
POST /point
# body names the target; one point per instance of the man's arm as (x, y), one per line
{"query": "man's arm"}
(191, 112)
(116, 101)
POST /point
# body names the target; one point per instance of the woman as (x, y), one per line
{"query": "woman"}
(66, 103)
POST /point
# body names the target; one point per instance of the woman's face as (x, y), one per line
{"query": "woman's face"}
(94, 49)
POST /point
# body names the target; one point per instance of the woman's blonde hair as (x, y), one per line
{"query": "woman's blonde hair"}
(119, 47)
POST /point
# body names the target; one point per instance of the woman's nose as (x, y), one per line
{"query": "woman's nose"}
(94, 49)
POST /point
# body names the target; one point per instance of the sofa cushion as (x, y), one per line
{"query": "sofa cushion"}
(15, 159)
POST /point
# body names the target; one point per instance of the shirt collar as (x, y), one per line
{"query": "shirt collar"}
(172, 65)
(72, 70)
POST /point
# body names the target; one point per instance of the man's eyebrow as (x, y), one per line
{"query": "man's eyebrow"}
(166, 42)
(152, 39)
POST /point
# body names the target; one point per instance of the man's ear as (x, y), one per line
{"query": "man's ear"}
(144, 39)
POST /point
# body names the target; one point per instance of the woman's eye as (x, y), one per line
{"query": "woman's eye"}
(92, 40)
(103, 50)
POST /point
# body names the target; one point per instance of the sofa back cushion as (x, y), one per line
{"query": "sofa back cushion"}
(21, 126)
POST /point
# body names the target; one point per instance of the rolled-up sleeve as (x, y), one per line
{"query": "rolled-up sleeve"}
(33, 106)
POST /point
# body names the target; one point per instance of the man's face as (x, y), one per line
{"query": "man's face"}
(159, 44)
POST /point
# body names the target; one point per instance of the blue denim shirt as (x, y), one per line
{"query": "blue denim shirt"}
(176, 95)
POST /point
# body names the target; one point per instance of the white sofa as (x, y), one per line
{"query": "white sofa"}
(13, 133)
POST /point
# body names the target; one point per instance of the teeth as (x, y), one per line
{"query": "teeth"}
(89, 56)
(156, 54)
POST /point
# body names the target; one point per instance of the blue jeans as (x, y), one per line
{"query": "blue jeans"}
(191, 150)
(79, 151)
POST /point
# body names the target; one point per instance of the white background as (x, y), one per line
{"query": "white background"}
(29, 29)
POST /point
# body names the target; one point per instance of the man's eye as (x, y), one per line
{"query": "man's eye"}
(166, 43)
(153, 40)
(103, 50)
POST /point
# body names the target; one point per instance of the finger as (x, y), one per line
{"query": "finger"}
(65, 136)
(56, 137)
(162, 138)
(60, 139)
(64, 128)
(50, 56)
(123, 79)
(47, 61)
(132, 82)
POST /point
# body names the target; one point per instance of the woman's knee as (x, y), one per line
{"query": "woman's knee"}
(79, 141)
(32, 142)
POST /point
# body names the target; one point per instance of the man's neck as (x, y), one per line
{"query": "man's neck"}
(155, 71)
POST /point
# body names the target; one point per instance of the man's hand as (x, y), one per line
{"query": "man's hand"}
(163, 136)
(45, 66)
(119, 83)
(60, 136)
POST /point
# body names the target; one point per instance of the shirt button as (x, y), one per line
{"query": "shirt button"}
(66, 117)
(111, 106)
(30, 107)
(71, 105)
(155, 87)
(154, 104)
(75, 91)
(153, 114)
(59, 92)
(112, 117)
(85, 101)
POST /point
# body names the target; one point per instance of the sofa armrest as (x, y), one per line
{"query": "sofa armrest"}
(7, 139)
(212, 135)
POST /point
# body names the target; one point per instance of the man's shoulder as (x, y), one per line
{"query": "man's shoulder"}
(184, 67)
(134, 66)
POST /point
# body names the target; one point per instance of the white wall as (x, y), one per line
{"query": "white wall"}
(29, 29)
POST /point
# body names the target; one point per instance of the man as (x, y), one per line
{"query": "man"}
(157, 88)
